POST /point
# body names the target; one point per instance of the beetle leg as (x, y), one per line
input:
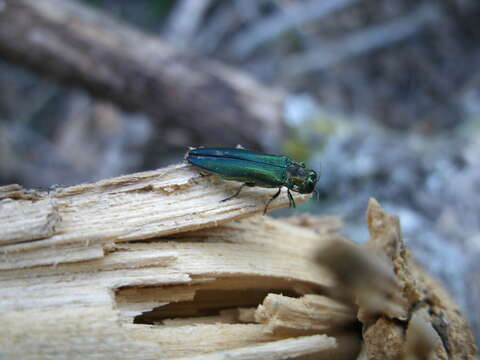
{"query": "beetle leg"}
(290, 199)
(238, 191)
(271, 199)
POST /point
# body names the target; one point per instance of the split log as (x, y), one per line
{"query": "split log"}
(153, 266)
(134, 207)
(79, 45)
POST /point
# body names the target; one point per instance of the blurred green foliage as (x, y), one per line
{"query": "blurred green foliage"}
(160, 8)
(152, 9)
(311, 136)
(295, 147)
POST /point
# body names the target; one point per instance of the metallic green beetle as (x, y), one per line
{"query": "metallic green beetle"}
(255, 169)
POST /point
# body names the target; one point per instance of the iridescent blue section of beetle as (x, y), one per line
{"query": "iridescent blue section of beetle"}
(255, 169)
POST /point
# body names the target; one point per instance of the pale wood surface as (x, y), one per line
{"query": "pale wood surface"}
(23, 220)
(282, 349)
(308, 314)
(133, 207)
(154, 266)
(160, 244)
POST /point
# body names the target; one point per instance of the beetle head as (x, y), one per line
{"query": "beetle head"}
(301, 180)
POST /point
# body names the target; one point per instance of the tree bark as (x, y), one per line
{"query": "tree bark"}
(81, 46)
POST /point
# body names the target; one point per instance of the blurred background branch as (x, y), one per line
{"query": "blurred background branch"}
(185, 21)
(286, 19)
(81, 46)
(373, 37)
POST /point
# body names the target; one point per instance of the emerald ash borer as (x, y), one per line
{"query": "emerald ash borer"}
(255, 169)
